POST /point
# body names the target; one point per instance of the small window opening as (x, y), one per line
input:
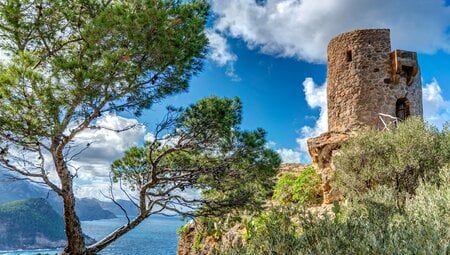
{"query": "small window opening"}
(408, 70)
(402, 109)
(349, 56)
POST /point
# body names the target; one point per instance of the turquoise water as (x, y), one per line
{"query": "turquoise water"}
(155, 236)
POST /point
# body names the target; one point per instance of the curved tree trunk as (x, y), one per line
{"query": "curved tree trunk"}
(100, 245)
(75, 239)
(143, 214)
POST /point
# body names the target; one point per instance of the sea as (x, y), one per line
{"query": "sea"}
(155, 236)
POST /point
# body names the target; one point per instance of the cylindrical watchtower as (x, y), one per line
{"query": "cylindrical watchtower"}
(365, 80)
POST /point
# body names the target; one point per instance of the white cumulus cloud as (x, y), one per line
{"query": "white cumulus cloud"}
(436, 109)
(219, 49)
(102, 147)
(316, 97)
(289, 155)
(221, 54)
(302, 29)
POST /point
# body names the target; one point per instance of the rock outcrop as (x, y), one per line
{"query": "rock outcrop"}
(291, 168)
(321, 149)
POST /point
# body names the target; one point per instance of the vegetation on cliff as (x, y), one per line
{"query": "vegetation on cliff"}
(372, 226)
(30, 224)
(302, 188)
(397, 196)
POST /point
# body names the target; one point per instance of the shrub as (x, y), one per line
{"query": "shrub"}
(373, 225)
(271, 232)
(399, 158)
(376, 226)
(183, 230)
(397, 188)
(303, 189)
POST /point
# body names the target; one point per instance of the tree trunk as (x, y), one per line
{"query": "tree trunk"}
(75, 239)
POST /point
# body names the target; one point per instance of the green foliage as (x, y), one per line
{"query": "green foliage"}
(302, 189)
(124, 55)
(203, 148)
(399, 158)
(198, 238)
(398, 195)
(264, 225)
(370, 226)
(376, 226)
(69, 62)
(183, 230)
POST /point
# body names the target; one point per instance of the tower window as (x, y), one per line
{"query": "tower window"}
(348, 56)
(402, 109)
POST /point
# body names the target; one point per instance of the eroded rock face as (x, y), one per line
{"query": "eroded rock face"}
(321, 149)
(291, 168)
(186, 241)
(189, 244)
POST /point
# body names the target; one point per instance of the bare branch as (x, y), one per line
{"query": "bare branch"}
(115, 130)
(111, 197)
(6, 163)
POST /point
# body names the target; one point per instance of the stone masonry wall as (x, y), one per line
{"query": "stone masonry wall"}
(365, 78)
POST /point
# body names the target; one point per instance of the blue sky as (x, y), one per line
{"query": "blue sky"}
(270, 89)
(264, 51)
(272, 54)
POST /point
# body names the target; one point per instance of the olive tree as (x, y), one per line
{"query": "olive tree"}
(65, 63)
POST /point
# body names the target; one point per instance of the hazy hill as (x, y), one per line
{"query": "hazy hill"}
(127, 205)
(30, 224)
(87, 209)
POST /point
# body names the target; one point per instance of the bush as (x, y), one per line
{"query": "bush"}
(397, 189)
(376, 226)
(303, 189)
(370, 226)
(271, 232)
(399, 158)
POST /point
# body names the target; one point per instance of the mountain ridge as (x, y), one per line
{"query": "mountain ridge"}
(87, 208)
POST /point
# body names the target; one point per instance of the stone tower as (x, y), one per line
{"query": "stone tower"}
(365, 79)
(367, 83)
